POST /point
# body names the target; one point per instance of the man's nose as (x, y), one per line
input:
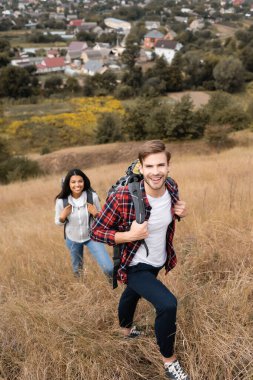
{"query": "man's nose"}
(155, 170)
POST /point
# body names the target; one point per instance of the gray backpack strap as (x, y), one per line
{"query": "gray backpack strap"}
(139, 206)
(65, 203)
(89, 196)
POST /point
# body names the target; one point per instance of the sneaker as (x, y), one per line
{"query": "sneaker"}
(134, 333)
(174, 371)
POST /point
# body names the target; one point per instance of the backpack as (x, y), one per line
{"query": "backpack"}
(132, 179)
(89, 200)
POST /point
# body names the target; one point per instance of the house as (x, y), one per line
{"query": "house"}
(92, 55)
(150, 25)
(26, 61)
(167, 49)
(151, 38)
(53, 53)
(196, 25)
(101, 45)
(49, 65)
(75, 23)
(171, 35)
(93, 67)
(181, 19)
(75, 50)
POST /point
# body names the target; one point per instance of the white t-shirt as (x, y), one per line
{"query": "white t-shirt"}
(158, 223)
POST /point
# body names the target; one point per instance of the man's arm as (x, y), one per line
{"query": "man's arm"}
(105, 227)
(136, 232)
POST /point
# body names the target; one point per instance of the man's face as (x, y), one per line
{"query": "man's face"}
(155, 171)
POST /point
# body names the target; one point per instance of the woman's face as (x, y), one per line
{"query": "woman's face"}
(76, 184)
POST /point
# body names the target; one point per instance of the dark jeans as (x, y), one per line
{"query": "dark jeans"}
(142, 282)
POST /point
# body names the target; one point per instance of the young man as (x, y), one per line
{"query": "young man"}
(141, 263)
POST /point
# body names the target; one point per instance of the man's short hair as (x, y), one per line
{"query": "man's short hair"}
(151, 147)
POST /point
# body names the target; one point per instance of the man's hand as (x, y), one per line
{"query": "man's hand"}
(180, 209)
(136, 232)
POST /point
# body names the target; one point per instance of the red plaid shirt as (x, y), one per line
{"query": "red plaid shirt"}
(118, 214)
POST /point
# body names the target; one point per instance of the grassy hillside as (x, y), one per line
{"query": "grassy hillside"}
(54, 327)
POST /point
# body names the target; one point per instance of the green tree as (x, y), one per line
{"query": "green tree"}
(108, 128)
(157, 123)
(16, 82)
(182, 121)
(72, 85)
(130, 54)
(4, 59)
(4, 46)
(229, 74)
(53, 84)
(133, 78)
(4, 150)
(135, 119)
(86, 36)
(246, 57)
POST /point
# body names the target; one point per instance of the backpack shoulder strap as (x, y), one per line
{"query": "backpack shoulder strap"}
(135, 191)
(90, 196)
(65, 203)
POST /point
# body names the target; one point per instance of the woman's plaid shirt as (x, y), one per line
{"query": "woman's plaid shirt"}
(118, 214)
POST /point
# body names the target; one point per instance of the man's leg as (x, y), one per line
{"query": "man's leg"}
(126, 310)
(76, 253)
(145, 284)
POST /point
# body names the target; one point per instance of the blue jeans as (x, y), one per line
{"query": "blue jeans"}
(97, 250)
(142, 282)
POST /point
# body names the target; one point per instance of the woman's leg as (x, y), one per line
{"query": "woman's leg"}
(99, 252)
(76, 253)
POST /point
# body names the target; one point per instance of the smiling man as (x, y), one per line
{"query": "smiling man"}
(140, 264)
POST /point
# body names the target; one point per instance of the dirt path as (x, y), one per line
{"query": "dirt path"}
(199, 98)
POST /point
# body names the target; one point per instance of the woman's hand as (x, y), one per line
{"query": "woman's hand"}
(92, 210)
(180, 209)
(65, 213)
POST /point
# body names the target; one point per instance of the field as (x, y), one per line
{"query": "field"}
(56, 328)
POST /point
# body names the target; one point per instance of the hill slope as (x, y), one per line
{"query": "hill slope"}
(56, 328)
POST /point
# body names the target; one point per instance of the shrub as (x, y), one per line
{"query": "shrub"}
(108, 128)
(18, 168)
(123, 91)
(45, 150)
(217, 136)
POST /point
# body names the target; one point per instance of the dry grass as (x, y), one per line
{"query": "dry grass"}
(55, 328)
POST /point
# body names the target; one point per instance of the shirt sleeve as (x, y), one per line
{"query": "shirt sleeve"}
(58, 210)
(104, 227)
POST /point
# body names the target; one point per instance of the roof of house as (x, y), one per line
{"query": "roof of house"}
(75, 23)
(154, 34)
(52, 62)
(166, 44)
(152, 24)
(53, 52)
(77, 46)
(93, 65)
(74, 54)
(93, 54)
